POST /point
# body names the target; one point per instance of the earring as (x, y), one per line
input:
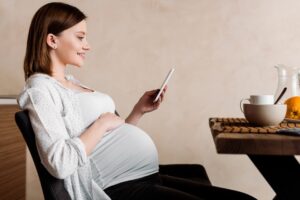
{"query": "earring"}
(54, 46)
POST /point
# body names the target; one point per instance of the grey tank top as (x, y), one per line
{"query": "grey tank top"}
(123, 154)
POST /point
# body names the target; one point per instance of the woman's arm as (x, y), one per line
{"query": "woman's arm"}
(134, 117)
(144, 105)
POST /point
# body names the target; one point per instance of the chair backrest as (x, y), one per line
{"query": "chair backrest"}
(53, 188)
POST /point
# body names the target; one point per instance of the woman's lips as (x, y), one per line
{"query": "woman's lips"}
(82, 55)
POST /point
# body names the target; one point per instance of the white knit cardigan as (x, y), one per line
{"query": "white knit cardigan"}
(57, 123)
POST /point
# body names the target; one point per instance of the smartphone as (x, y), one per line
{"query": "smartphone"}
(164, 84)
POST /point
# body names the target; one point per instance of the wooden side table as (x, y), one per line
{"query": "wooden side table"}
(271, 153)
(12, 156)
(238, 136)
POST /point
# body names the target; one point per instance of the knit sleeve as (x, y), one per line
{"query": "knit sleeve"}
(60, 154)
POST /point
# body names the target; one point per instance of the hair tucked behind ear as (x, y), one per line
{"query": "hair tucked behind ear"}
(51, 18)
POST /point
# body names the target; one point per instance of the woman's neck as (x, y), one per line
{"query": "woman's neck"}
(58, 68)
(59, 75)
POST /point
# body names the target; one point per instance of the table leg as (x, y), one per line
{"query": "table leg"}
(281, 172)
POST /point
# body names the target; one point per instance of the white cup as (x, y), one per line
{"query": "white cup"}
(258, 100)
(264, 114)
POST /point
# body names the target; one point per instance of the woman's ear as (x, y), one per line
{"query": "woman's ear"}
(52, 41)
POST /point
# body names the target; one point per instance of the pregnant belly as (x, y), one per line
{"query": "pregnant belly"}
(124, 154)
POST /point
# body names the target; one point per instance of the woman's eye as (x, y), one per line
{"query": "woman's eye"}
(80, 38)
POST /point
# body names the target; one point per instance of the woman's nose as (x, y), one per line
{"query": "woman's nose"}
(87, 47)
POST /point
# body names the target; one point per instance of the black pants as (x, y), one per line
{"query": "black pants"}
(164, 187)
(282, 173)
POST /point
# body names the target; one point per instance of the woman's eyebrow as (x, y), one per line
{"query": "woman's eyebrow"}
(82, 32)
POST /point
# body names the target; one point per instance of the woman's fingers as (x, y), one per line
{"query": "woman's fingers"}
(110, 120)
(165, 88)
(163, 93)
(152, 92)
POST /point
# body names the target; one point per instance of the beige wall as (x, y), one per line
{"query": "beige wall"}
(222, 51)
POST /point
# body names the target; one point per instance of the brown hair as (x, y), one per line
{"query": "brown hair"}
(51, 18)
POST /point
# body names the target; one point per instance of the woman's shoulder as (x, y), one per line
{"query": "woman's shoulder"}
(37, 85)
(39, 80)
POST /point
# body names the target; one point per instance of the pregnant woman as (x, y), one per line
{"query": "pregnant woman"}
(79, 138)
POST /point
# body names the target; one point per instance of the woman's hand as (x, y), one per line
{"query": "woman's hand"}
(145, 104)
(109, 121)
(92, 135)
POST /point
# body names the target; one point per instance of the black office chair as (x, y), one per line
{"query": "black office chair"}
(53, 188)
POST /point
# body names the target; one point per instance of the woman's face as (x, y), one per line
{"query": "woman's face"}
(72, 45)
